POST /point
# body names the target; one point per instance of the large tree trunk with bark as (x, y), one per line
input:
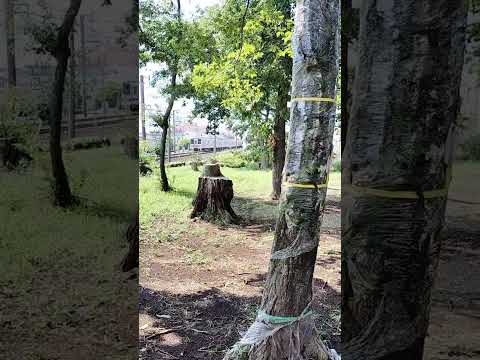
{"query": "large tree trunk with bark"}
(284, 328)
(396, 170)
(61, 52)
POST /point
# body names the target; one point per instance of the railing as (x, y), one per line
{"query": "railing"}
(91, 122)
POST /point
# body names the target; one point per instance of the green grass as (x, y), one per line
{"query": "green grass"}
(177, 204)
(174, 207)
(33, 231)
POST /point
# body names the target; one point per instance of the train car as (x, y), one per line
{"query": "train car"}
(207, 143)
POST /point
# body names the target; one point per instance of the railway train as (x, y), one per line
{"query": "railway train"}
(207, 143)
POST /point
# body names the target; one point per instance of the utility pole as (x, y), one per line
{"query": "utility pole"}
(174, 132)
(104, 100)
(169, 143)
(71, 123)
(142, 107)
(84, 66)
(10, 35)
(215, 142)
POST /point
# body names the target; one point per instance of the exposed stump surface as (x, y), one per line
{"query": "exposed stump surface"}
(212, 170)
(214, 197)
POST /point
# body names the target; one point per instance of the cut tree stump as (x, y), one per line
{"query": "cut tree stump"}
(214, 196)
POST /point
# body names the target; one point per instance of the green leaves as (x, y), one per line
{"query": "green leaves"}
(249, 64)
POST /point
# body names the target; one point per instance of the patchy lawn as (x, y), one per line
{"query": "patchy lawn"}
(59, 269)
(200, 284)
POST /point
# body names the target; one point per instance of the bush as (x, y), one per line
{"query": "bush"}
(146, 159)
(234, 159)
(89, 143)
(471, 148)
(18, 134)
(196, 163)
(336, 166)
(144, 167)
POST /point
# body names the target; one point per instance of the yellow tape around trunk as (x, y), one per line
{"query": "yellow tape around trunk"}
(305, 186)
(431, 194)
(314, 99)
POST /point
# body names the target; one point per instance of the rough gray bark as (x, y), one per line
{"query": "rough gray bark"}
(288, 288)
(61, 52)
(405, 103)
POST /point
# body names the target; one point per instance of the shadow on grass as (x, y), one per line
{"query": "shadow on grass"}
(206, 324)
(184, 193)
(103, 210)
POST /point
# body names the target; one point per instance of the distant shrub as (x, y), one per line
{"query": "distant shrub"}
(196, 163)
(471, 148)
(89, 143)
(336, 166)
(144, 167)
(233, 159)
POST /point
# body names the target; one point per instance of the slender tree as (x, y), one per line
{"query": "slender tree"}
(284, 328)
(176, 45)
(396, 172)
(54, 40)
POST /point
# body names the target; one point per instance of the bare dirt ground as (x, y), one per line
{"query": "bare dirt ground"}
(199, 293)
(454, 331)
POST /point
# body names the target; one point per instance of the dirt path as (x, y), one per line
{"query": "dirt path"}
(454, 331)
(200, 292)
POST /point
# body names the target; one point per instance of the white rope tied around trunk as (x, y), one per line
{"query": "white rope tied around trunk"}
(266, 325)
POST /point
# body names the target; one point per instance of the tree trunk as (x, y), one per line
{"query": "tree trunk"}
(346, 8)
(214, 196)
(131, 259)
(163, 146)
(406, 101)
(10, 34)
(288, 288)
(61, 52)
(279, 146)
(281, 115)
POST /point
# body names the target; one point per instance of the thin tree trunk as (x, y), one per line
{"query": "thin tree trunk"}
(346, 7)
(61, 52)
(281, 115)
(279, 146)
(10, 34)
(288, 288)
(399, 139)
(130, 261)
(163, 146)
